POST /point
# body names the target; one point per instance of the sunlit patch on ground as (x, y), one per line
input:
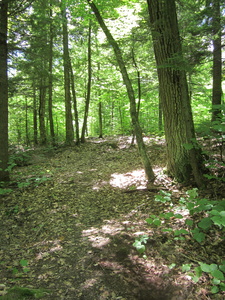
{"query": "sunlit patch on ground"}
(135, 178)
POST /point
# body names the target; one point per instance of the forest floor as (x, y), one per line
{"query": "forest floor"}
(70, 226)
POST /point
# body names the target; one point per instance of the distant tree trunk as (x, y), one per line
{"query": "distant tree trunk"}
(139, 89)
(26, 123)
(66, 65)
(133, 111)
(217, 61)
(50, 82)
(42, 103)
(100, 119)
(184, 159)
(100, 123)
(35, 125)
(75, 105)
(84, 128)
(4, 175)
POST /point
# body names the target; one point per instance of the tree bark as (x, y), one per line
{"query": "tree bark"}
(4, 175)
(50, 81)
(42, 104)
(184, 159)
(87, 103)
(66, 65)
(133, 111)
(35, 125)
(217, 62)
(75, 105)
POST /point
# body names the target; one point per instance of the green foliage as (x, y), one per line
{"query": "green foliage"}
(23, 263)
(163, 197)
(209, 215)
(140, 243)
(21, 293)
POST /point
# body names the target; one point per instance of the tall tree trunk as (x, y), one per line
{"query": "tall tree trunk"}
(42, 102)
(183, 154)
(26, 123)
(35, 125)
(133, 111)
(4, 175)
(139, 89)
(75, 105)
(100, 119)
(50, 81)
(66, 65)
(217, 61)
(87, 103)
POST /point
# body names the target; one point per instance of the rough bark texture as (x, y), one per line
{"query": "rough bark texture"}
(217, 62)
(50, 80)
(87, 103)
(4, 175)
(173, 91)
(35, 125)
(75, 105)
(42, 104)
(66, 65)
(130, 92)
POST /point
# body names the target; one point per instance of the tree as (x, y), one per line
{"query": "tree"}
(50, 77)
(4, 175)
(184, 157)
(130, 92)
(217, 61)
(66, 65)
(87, 102)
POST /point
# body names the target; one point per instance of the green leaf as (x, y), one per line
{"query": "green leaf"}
(167, 229)
(178, 216)
(149, 221)
(189, 222)
(222, 213)
(23, 262)
(198, 271)
(192, 193)
(186, 267)
(168, 215)
(215, 281)
(218, 274)
(172, 266)
(157, 222)
(214, 289)
(180, 231)
(222, 268)
(198, 235)
(218, 220)
(205, 223)
(222, 286)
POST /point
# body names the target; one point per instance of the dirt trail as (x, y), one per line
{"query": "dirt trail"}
(76, 224)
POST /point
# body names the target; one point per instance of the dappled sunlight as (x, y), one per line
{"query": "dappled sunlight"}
(135, 178)
(47, 247)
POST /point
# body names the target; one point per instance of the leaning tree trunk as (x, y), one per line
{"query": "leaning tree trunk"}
(4, 175)
(183, 154)
(133, 111)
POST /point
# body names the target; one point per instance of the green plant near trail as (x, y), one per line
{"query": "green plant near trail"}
(210, 216)
(21, 293)
(140, 243)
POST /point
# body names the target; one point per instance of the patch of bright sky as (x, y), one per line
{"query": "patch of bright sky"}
(123, 25)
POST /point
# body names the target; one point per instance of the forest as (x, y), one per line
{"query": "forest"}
(112, 149)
